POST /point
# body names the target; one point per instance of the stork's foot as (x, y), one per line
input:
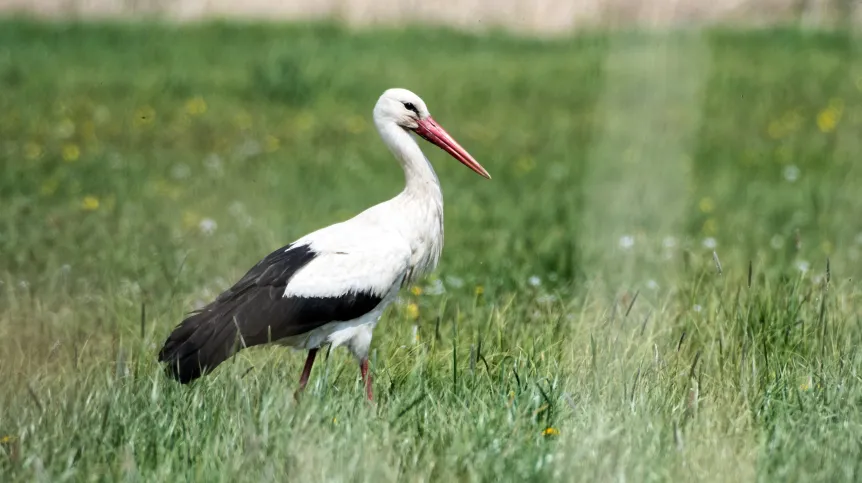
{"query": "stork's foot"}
(366, 378)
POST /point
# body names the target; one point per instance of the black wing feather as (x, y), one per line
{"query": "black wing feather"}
(254, 311)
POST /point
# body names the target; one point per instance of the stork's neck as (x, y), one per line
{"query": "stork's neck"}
(421, 180)
(419, 208)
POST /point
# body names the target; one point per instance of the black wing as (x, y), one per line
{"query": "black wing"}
(254, 311)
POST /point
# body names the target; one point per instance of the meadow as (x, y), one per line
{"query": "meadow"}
(660, 282)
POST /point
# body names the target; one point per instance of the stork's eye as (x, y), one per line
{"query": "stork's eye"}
(410, 107)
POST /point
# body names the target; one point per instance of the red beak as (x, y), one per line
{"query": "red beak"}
(429, 130)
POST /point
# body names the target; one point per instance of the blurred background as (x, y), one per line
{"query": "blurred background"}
(660, 281)
(540, 17)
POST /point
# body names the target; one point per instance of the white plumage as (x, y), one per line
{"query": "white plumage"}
(334, 283)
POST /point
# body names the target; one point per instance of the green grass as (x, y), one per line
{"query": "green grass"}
(581, 292)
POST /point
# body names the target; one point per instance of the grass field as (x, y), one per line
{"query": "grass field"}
(578, 328)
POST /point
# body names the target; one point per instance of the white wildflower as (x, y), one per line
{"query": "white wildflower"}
(207, 226)
(791, 173)
(627, 241)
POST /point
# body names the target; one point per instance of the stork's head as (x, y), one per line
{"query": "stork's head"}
(408, 111)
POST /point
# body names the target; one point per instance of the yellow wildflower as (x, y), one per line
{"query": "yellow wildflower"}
(7, 439)
(480, 290)
(32, 151)
(416, 290)
(412, 311)
(334, 420)
(196, 106)
(828, 118)
(706, 205)
(272, 143)
(71, 153)
(90, 203)
(549, 431)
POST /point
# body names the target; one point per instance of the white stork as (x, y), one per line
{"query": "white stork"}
(332, 285)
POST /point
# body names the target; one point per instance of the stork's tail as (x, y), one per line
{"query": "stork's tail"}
(200, 343)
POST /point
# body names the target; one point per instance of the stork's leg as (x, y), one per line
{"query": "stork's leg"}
(366, 377)
(306, 371)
